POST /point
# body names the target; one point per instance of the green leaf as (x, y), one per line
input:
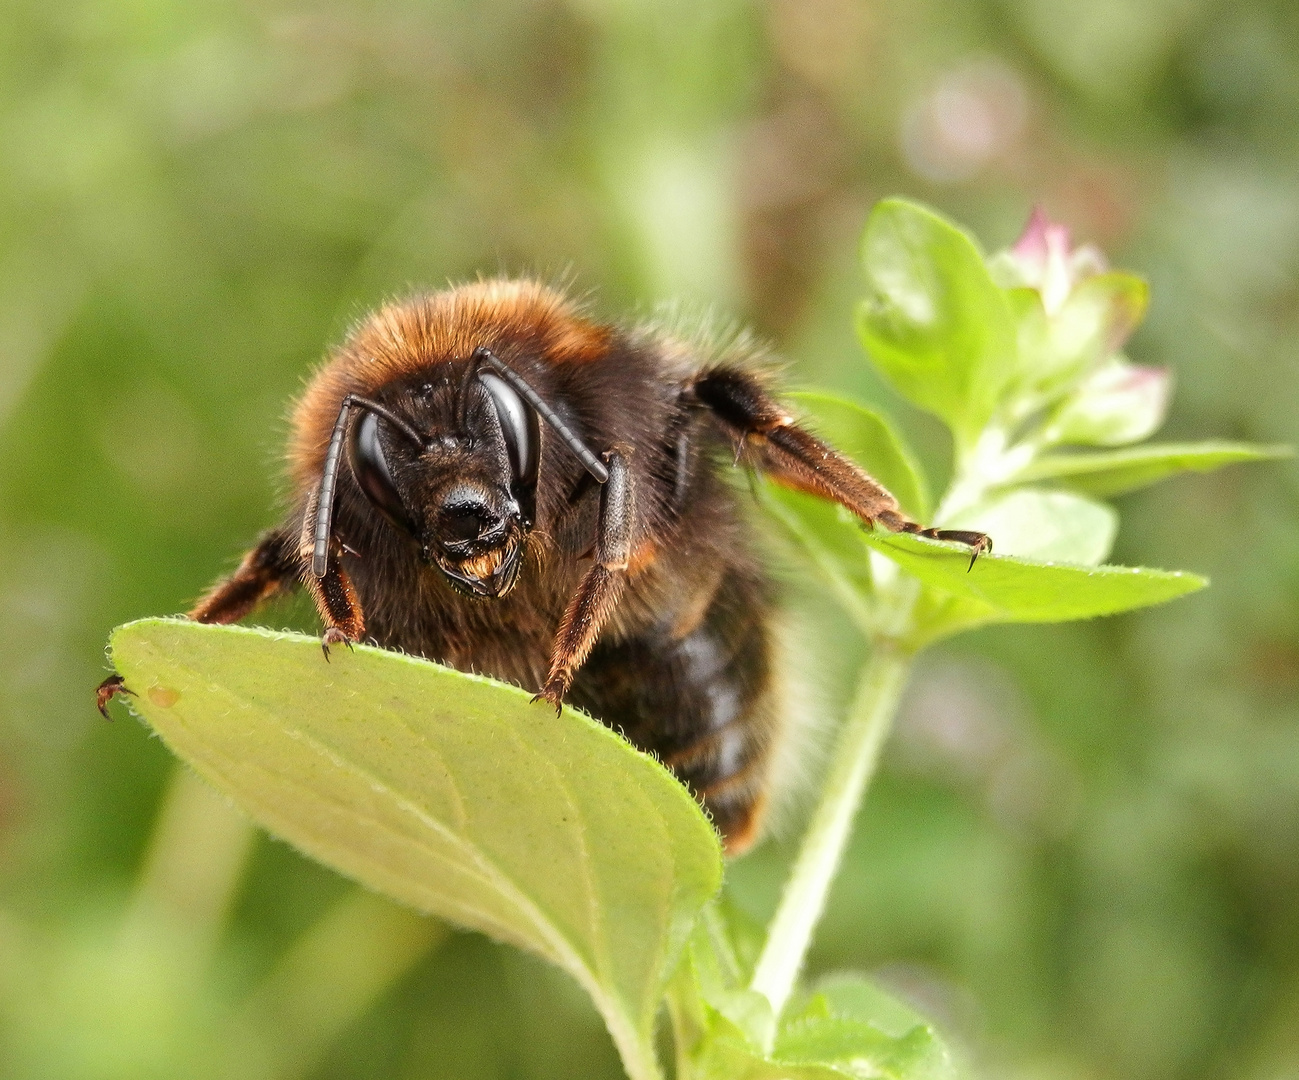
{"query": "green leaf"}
(727, 1056)
(833, 540)
(848, 1028)
(714, 977)
(872, 442)
(448, 792)
(1045, 526)
(861, 1050)
(1000, 588)
(1115, 472)
(853, 995)
(1118, 403)
(852, 1024)
(934, 321)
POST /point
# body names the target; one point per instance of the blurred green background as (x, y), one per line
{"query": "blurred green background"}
(1083, 854)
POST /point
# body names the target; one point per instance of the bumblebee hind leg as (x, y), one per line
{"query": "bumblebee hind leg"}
(796, 458)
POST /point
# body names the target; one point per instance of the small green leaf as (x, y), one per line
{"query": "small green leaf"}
(848, 1028)
(448, 792)
(1045, 526)
(853, 995)
(934, 321)
(831, 538)
(852, 1024)
(1115, 472)
(861, 1050)
(873, 443)
(727, 1056)
(1118, 403)
(1015, 590)
(713, 976)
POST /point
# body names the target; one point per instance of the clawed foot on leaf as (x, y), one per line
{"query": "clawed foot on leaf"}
(109, 689)
(553, 692)
(333, 636)
(977, 542)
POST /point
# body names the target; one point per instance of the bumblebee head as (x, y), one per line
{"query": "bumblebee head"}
(451, 462)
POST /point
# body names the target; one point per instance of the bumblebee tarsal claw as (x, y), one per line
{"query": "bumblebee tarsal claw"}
(109, 689)
(552, 696)
(334, 636)
(979, 545)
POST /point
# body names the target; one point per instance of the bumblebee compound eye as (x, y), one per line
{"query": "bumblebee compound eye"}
(522, 433)
(583, 452)
(370, 467)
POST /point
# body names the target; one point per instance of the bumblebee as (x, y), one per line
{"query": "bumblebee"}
(490, 478)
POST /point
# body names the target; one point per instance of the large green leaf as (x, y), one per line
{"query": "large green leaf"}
(871, 441)
(449, 792)
(1114, 472)
(934, 321)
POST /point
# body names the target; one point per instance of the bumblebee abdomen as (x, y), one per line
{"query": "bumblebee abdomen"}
(703, 702)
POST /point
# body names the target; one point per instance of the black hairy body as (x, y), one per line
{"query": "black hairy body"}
(600, 558)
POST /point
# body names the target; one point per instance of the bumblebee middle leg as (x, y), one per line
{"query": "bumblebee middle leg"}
(795, 457)
(705, 703)
(273, 567)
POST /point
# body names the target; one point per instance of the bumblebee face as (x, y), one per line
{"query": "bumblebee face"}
(467, 495)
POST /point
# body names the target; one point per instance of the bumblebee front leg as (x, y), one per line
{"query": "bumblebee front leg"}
(270, 568)
(796, 458)
(603, 584)
(331, 589)
(339, 608)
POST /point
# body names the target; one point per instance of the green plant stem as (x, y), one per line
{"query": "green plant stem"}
(851, 766)
(329, 977)
(637, 1053)
(194, 865)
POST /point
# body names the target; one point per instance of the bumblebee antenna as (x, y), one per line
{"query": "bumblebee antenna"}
(329, 476)
(462, 393)
(583, 452)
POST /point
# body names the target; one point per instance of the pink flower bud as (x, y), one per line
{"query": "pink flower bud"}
(1043, 260)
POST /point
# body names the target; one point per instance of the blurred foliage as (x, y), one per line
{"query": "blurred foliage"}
(1083, 853)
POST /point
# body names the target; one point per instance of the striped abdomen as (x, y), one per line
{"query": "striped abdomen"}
(702, 702)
